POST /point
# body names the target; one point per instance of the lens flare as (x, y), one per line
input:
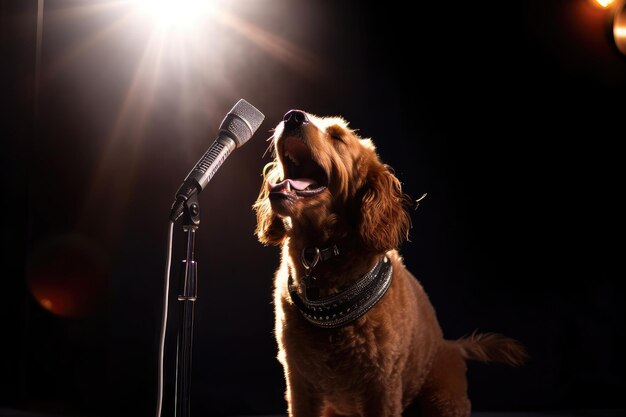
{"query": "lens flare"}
(68, 275)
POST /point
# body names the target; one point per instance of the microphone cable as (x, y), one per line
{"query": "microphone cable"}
(166, 295)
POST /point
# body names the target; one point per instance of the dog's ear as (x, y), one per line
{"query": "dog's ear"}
(270, 229)
(385, 221)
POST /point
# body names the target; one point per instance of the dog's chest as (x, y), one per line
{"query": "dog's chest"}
(334, 360)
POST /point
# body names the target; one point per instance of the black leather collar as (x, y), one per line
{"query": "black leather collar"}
(341, 309)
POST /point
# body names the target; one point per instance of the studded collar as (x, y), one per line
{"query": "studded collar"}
(342, 309)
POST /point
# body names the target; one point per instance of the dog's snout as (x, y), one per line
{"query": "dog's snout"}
(294, 119)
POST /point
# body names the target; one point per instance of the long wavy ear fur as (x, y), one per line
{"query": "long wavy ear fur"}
(385, 222)
(270, 229)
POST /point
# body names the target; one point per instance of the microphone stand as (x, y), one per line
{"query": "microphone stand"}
(188, 296)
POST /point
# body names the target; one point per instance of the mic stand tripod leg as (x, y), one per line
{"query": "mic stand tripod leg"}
(187, 297)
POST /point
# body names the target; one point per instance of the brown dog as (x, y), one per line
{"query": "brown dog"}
(356, 332)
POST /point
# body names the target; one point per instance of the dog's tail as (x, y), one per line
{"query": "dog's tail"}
(492, 347)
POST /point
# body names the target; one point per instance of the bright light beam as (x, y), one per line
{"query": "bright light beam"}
(177, 15)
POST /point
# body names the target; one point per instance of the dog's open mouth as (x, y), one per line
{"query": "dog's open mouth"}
(303, 176)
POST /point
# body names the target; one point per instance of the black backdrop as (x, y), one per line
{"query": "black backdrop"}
(508, 116)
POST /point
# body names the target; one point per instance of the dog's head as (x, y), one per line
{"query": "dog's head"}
(325, 178)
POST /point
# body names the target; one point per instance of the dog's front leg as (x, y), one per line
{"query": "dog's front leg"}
(302, 399)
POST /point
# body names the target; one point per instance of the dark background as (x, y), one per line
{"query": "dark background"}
(509, 116)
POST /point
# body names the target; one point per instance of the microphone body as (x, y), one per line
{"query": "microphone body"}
(236, 129)
(206, 167)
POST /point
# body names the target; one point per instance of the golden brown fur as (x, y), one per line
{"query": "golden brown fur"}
(393, 356)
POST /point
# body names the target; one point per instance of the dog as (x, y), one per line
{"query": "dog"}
(356, 332)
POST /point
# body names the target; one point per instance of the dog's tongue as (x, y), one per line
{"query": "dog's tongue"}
(299, 184)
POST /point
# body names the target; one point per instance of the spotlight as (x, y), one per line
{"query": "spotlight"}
(180, 15)
(619, 28)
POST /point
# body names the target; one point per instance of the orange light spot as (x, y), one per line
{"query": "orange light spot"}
(605, 3)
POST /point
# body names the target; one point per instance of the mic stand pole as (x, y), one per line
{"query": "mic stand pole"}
(189, 293)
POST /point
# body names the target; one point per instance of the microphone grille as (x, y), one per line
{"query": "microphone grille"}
(241, 122)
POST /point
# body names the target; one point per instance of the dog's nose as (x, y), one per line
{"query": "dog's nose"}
(294, 119)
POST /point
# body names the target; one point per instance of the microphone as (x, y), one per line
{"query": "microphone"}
(236, 129)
